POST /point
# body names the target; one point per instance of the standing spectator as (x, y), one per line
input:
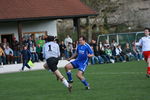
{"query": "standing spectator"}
(69, 50)
(34, 54)
(30, 43)
(15, 48)
(2, 56)
(39, 52)
(9, 55)
(26, 56)
(68, 41)
(74, 45)
(5, 43)
(62, 49)
(40, 41)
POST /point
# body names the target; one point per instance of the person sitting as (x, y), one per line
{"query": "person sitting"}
(96, 57)
(34, 54)
(9, 55)
(128, 52)
(109, 55)
(119, 53)
(2, 56)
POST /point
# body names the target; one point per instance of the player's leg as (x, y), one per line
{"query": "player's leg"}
(83, 80)
(147, 59)
(48, 69)
(68, 68)
(61, 78)
(148, 68)
(52, 64)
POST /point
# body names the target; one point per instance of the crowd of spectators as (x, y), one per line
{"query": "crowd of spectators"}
(104, 52)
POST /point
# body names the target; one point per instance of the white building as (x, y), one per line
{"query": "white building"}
(25, 17)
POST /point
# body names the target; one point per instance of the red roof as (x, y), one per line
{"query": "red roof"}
(42, 9)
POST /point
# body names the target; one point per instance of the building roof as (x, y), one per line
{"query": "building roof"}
(15, 10)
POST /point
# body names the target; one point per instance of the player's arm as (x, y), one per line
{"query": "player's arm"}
(139, 43)
(90, 55)
(73, 56)
(90, 52)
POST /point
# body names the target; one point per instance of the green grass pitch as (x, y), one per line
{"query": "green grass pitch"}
(119, 81)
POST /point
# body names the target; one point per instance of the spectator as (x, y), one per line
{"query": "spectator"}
(74, 45)
(2, 56)
(39, 52)
(5, 43)
(106, 43)
(40, 41)
(30, 42)
(120, 54)
(9, 55)
(109, 55)
(15, 48)
(103, 54)
(26, 56)
(114, 44)
(34, 54)
(128, 52)
(69, 50)
(68, 40)
(96, 56)
(137, 51)
(62, 49)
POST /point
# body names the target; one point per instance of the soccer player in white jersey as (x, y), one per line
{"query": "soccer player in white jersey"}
(145, 43)
(51, 53)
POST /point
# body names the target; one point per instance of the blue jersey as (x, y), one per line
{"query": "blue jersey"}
(83, 51)
(81, 61)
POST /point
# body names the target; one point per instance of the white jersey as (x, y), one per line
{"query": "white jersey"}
(145, 43)
(51, 49)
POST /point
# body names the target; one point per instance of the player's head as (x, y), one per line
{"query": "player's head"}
(50, 38)
(146, 31)
(82, 40)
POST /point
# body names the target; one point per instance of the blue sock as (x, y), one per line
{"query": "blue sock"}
(69, 76)
(85, 82)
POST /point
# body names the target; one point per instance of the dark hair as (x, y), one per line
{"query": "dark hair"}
(50, 38)
(83, 38)
(147, 29)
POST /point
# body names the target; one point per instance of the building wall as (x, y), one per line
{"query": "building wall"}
(29, 26)
(38, 26)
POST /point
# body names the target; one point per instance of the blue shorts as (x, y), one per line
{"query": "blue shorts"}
(79, 65)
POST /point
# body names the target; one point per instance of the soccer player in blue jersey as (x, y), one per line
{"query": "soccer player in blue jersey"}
(83, 53)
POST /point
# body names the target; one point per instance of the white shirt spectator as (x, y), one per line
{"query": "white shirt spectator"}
(33, 49)
(118, 51)
(8, 51)
(68, 40)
